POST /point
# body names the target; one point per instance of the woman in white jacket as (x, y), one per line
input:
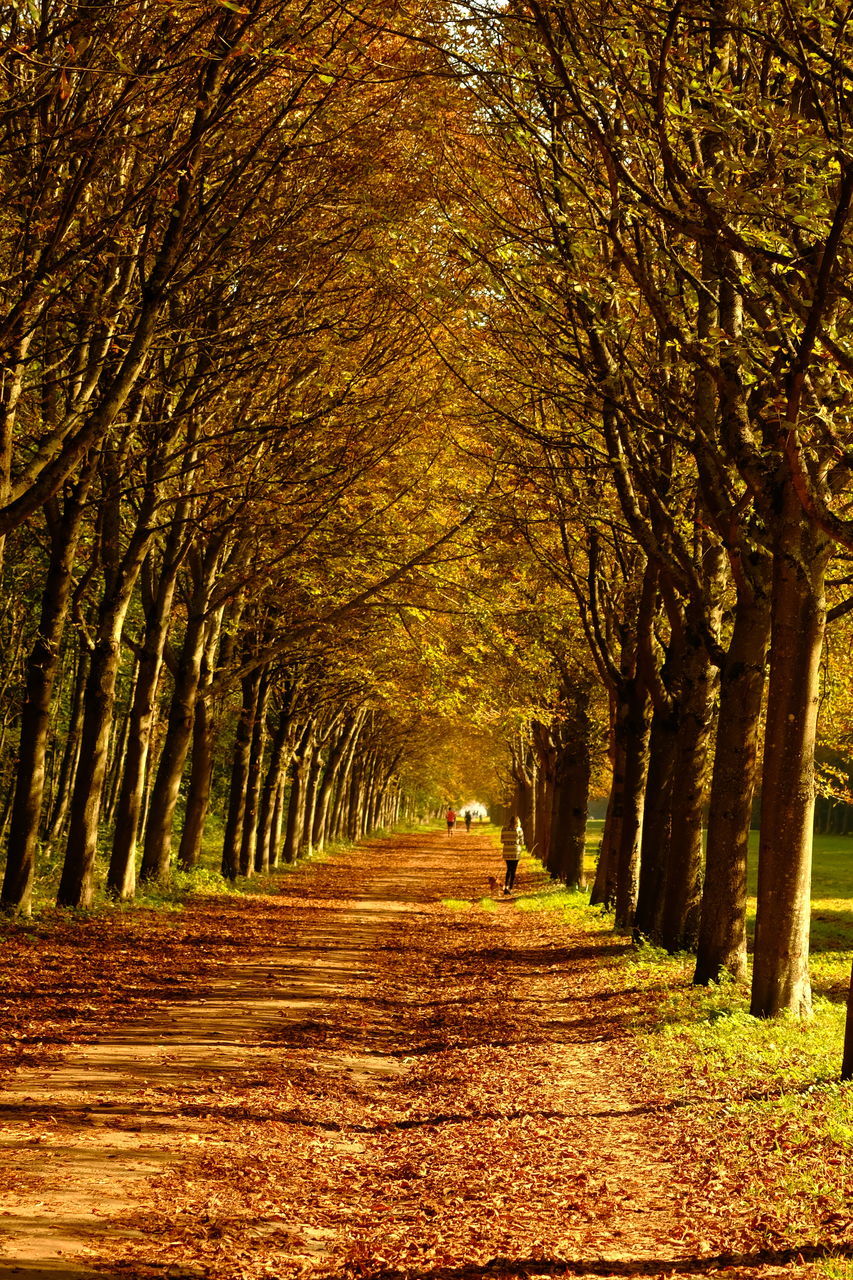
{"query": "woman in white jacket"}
(512, 846)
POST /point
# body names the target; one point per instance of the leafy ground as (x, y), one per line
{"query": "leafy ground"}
(378, 1071)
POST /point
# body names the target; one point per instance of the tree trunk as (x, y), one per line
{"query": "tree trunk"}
(683, 884)
(205, 732)
(780, 977)
(310, 802)
(337, 754)
(249, 837)
(633, 726)
(356, 791)
(121, 877)
(305, 773)
(35, 716)
(603, 891)
(524, 801)
(657, 823)
(11, 385)
(296, 802)
(571, 794)
(722, 928)
(265, 853)
(157, 850)
(118, 753)
(71, 754)
(349, 816)
(545, 749)
(847, 1058)
(336, 822)
(370, 795)
(198, 789)
(233, 839)
(77, 885)
(278, 819)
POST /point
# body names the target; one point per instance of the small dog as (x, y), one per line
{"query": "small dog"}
(493, 884)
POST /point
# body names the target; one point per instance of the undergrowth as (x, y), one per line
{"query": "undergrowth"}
(204, 880)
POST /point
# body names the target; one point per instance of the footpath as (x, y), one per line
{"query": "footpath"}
(374, 1084)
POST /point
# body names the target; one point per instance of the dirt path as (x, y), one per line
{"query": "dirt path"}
(386, 1088)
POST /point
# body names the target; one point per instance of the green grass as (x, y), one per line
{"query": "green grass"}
(832, 911)
(832, 905)
(838, 1268)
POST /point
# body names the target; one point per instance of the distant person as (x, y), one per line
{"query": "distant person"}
(512, 847)
(450, 818)
(467, 815)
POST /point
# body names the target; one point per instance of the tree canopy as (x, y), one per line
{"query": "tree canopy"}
(415, 403)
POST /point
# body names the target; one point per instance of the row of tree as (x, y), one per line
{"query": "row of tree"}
(661, 279)
(222, 437)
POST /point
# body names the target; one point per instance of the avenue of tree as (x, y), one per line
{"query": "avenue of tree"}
(408, 402)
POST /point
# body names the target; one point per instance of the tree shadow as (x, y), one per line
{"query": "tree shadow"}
(543, 957)
(507, 1268)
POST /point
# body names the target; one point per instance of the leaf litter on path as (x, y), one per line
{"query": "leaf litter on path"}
(367, 1084)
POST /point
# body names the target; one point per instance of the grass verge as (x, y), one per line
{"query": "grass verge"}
(758, 1102)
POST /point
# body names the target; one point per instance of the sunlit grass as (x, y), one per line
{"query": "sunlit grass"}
(832, 911)
(553, 899)
(837, 1268)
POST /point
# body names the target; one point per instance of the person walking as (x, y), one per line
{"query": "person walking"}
(450, 818)
(467, 816)
(512, 847)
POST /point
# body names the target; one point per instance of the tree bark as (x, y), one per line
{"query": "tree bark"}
(117, 755)
(683, 884)
(198, 789)
(157, 850)
(35, 716)
(780, 976)
(206, 723)
(847, 1058)
(355, 816)
(571, 796)
(337, 755)
(77, 885)
(341, 791)
(524, 801)
(296, 802)
(545, 749)
(603, 891)
(265, 852)
(278, 820)
(249, 837)
(311, 788)
(632, 726)
(722, 928)
(121, 876)
(233, 838)
(71, 753)
(657, 822)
